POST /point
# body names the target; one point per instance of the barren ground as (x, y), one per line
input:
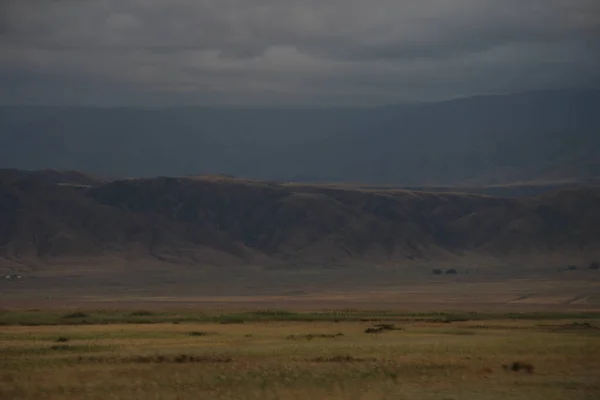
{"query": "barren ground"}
(405, 289)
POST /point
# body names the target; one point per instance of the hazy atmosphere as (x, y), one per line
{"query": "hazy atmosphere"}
(291, 52)
(300, 199)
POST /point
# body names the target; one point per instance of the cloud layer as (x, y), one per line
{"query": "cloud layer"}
(291, 51)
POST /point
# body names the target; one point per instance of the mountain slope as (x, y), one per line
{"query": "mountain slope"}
(224, 221)
(483, 140)
(525, 137)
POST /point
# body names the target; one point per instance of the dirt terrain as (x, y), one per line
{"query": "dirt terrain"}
(252, 288)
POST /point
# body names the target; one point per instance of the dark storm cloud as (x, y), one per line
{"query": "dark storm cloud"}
(350, 51)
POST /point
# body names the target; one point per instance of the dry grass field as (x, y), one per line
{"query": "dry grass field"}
(286, 355)
(217, 334)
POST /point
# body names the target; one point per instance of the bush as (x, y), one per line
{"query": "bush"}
(389, 327)
(382, 327)
(198, 333)
(595, 265)
(519, 366)
(342, 359)
(572, 267)
(61, 347)
(141, 313)
(437, 271)
(312, 336)
(62, 339)
(180, 359)
(76, 315)
(451, 271)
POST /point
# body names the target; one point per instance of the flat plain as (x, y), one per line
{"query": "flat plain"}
(408, 289)
(231, 334)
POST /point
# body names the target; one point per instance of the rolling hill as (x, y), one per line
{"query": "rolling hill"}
(50, 217)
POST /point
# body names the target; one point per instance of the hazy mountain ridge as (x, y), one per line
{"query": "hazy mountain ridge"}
(223, 221)
(526, 137)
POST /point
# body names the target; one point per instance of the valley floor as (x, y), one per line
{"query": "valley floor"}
(408, 290)
(243, 333)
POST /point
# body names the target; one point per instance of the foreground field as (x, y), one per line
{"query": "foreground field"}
(281, 355)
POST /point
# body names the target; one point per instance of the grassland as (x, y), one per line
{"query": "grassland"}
(287, 355)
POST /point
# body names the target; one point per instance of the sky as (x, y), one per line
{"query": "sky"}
(291, 52)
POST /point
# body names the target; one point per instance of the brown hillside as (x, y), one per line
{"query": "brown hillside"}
(224, 221)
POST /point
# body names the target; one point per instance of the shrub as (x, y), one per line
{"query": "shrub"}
(451, 271)
(312, 336)
(179, 359)
(141, 313)
(519, 366)
(388, 327)
(572, 267)
(61, 347)
(62, 340)
(76, 315)
(595, 265)
(228, 319)
(341, 359)
(437, 271)
(198, 333)
(382, 327)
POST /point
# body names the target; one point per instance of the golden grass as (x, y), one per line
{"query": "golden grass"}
(257, 360)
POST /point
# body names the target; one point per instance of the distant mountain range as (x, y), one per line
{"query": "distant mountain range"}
(505, 139)
(49, 217)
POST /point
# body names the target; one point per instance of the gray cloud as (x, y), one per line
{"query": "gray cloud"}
(293, 51)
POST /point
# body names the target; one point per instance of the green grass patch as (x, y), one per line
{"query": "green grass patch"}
(53, 349)
(103, 317)
(312, 336)
(76, 315)
(141, 313)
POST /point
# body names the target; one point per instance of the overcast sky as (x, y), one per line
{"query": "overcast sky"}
(321, 52)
